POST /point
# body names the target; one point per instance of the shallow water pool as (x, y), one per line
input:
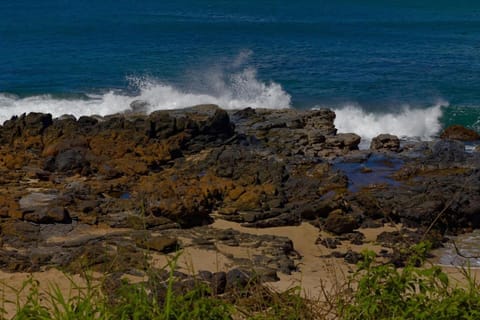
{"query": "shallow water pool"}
(376, 169)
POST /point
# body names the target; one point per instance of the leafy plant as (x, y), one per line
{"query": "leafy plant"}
(382, 291)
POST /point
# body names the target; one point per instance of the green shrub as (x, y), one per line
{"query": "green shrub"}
(385, 292)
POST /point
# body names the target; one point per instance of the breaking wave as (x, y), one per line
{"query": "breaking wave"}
(409, 122)
(236, 90)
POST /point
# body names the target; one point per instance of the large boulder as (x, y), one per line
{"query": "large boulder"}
(53, 214)
(41, 207)
(36, 123)
(385, 142)
(345, 141)
(208, 119)
(37, 199)
(458, 132)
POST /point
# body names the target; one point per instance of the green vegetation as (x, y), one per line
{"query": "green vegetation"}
(413, 292)
(375, 291)
(133, 302)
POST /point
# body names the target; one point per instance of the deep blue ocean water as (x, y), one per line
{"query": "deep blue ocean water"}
(405, 67)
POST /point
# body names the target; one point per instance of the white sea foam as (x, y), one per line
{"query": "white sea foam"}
(408, 122)
(230, 88)
(230, 91)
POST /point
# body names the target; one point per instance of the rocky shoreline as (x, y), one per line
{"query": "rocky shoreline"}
(101, 193)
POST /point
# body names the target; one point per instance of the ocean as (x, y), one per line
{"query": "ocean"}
(405, 67)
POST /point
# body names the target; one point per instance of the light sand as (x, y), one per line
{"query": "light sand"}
(193, 260)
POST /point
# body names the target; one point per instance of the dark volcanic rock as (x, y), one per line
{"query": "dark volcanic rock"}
(330, 243)
(157, 243)
(348, 141)
(447, 152)
(31, 124)
(237, 279)
(385, 142)
(36, 123)
(352, 257)
(458, 132)
(338, 222)
(218, 282)
(285, 219)
(12, 261)
(69, 160)
(165, 175)
(395, 238)
(20, 233)
(47, 215)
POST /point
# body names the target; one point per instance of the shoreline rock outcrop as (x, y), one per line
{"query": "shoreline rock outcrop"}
(172, 171)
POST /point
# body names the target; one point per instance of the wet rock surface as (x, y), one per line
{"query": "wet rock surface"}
(159, 180)
(385, 142)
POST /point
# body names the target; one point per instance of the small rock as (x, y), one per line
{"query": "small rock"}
(337, 222)
(352, 257)
(158, 243)
(284, 219)
(47, 215)
(336, 254)
(237, 279)
(370, 223)
(266, 274)
(205, 275)
(329, 243)
(218, 282)
(253, 216)
(355, 238)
